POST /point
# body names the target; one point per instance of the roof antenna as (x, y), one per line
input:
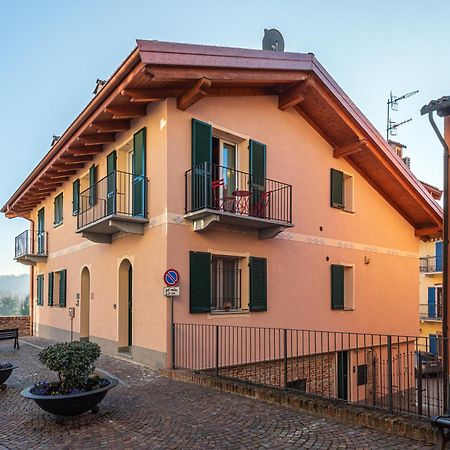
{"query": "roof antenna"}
(392, 104)
(273, 40)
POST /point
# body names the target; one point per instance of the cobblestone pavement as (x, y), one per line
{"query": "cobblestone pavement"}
(147, 411)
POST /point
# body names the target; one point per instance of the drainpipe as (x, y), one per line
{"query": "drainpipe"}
(445, 244)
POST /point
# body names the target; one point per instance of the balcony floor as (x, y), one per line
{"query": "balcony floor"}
(206, 218)
(29, 259)
(101, 230)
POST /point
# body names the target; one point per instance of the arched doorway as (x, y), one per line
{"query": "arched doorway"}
(125, 305)
(85, 304)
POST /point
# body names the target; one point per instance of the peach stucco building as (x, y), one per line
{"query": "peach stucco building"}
(252, 174)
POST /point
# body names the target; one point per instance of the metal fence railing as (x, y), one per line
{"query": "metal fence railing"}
(119, 193)
(395, 373)
(431, 264)
(432, 311)
(210, 186)
(30, 243)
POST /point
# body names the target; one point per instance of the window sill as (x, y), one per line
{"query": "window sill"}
(240, 312)
(56, 225)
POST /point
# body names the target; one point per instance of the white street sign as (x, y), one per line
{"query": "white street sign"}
(171, 291)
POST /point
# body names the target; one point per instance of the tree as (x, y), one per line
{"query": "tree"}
(9, 305)
(24, 309)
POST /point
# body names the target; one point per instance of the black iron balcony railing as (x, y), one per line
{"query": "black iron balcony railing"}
(117, 194)
(213, 187)
(431, 264)
(431, 311)
(31, 243)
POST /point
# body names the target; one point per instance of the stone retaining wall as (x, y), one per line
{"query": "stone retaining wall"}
(20, 322)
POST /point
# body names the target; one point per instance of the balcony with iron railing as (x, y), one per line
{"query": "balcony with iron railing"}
(116, 203)
(218, 194)
(430, 311)
(431, 264)
(31, 247)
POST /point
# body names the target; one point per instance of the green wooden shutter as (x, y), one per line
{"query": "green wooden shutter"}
(111, 182)
(58, 209)
(258, 284)
(337, 286)
(337, 188)
(62, 287)
(51, 276)
(92, 185)
(75, 197)
(257, 164)
(139, 173)
(201, 154)
(40, 289)
(200, 282)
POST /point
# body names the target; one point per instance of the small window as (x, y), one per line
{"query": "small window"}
(361, 374)
(226, 284)
(298, 385)
(342, 287)
(57, 288)
(58, 210)
(341, 190)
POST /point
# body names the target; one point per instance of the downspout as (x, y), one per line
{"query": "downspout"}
(445, 350)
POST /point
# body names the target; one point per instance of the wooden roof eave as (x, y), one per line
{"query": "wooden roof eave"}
(117, 82)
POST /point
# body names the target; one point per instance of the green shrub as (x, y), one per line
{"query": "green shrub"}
(74, 362)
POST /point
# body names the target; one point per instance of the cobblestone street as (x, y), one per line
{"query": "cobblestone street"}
(147, 411)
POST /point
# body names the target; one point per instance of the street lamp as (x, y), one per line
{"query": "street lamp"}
(442, 107)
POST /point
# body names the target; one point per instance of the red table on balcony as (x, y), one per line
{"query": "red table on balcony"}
(242, 198)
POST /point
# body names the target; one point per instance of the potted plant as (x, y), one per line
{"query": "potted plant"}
(77, 389)
(6, 369)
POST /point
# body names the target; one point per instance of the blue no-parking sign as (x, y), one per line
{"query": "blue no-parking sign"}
(171, 277)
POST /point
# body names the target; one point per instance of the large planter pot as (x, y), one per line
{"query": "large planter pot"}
(4, 375)
(71, 404)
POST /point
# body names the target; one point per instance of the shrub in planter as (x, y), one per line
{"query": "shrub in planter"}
(74, 362)
(77, 389)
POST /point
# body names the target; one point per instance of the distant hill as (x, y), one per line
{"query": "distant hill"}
(15, 285)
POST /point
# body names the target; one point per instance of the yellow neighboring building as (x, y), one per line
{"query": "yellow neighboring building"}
(430, 281)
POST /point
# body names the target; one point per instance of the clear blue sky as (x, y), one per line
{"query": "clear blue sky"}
(53, 51)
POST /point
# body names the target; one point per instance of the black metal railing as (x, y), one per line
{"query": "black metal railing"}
(431, 264)
(431, 311)
(31, 243)
(394, 373)
(210, 186)
(226, 289)
(119, 193)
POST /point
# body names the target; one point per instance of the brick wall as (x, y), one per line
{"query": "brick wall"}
(317, 372)
(20, 322)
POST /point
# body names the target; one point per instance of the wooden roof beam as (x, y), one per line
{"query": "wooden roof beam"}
(82, 150)
(60, 173)
(150, 95)
(67, 168)
(430, 231)
(291, 96)
(104, 138)
(126, 111)
(193, 94)
(71, 160)
(106, 126)
(349, 149)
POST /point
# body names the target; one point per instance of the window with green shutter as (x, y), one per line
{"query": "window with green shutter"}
(58, 209)
(139, 173)
(199, 282)
(258, 284)
(51, 277)
(92, 185)
(337, 286)
(337, 188)
(62, 287)
(75, 197)
(40, 289)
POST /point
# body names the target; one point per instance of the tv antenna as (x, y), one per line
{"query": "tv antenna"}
(273, 40)
(392, 104)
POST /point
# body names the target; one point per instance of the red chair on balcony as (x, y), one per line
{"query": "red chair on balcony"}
(262, 206)
(217, 187)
